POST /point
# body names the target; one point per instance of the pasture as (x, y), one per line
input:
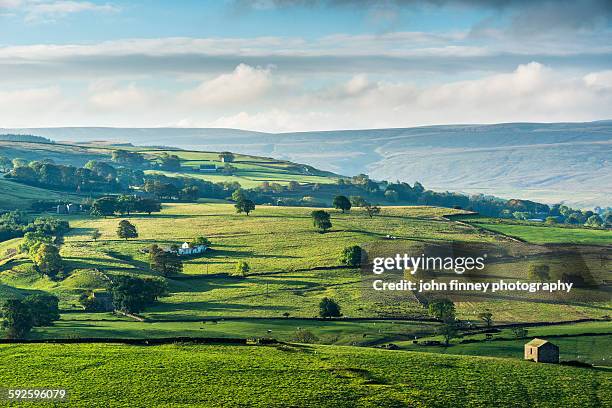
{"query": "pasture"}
(323, 376)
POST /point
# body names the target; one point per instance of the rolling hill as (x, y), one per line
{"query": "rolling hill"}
(557, 162)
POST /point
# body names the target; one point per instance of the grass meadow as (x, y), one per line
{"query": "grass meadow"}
(294, 375)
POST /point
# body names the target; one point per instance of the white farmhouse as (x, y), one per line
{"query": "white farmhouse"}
(187, 249)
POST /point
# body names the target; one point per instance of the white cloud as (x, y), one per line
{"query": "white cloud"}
(110, 96)
(244, 84)
(599, 80)
(254, 98)
(49, 10)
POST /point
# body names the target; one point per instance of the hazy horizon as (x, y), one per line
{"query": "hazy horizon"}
(313, 65)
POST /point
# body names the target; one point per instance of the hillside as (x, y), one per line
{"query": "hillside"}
(236, 376)
(544, 162)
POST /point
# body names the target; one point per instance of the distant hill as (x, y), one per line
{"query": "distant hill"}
(550, 163)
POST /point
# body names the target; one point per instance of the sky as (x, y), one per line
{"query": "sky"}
(301, 65)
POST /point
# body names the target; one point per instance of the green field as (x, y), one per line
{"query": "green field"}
(544, 234)
(281, 376)
(20, 196)
(589, 342)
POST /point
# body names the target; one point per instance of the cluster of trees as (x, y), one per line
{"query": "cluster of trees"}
(25, 138)
(14, 224)
(186, 188)
(169, 162)
(132, 295)
(124, 204)
(19, 316)
(94, 176)
(563, 214)
(43, 253)
(127, 158)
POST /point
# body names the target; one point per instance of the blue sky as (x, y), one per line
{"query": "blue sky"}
(285, 65)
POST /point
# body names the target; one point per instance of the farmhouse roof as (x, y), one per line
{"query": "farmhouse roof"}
(537, 342)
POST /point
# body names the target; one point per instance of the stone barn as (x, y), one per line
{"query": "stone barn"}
(541, 351)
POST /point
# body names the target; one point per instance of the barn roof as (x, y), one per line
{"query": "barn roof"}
(537, 342)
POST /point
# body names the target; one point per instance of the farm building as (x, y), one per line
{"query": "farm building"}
(188, 249)
(69, 208)
(541, 351)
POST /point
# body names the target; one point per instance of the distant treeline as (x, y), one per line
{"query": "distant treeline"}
(123, 174)
(25, 138)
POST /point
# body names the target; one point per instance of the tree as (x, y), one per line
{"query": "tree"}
(372, 210)
(539, 272)
(17, 162)
(304, 336)
(44, 308)
(594, 221)
(442, 309)
(17, 319)
(148, 205)
(351, 256)
(551, 220)
(32, 240)
(329, 308)
(342, 203)
(244, 206)
(238, 195)
(486, 317)
(96, 234)
(126, 230)
(47, 259)
(391, 195)
(448, 331)
(242, 268)
(127, 158)
(519, 332)
(226, 157)
(321, 220)
(104, 206)
(5, 164)
(170, 162)
(132, 295)
(201, 241)
(357, 201)
(165, 263)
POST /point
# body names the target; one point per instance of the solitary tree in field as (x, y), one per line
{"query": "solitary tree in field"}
(442, 309)
(371, 210)
(351, 256)
(448, 331)
(520, 332)
(47, 259)
(244, 206)
(242, 268)
(342, 203)
(126, 230)
(95, 235)
(321, 220)
(329, 308)
(486, 317)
